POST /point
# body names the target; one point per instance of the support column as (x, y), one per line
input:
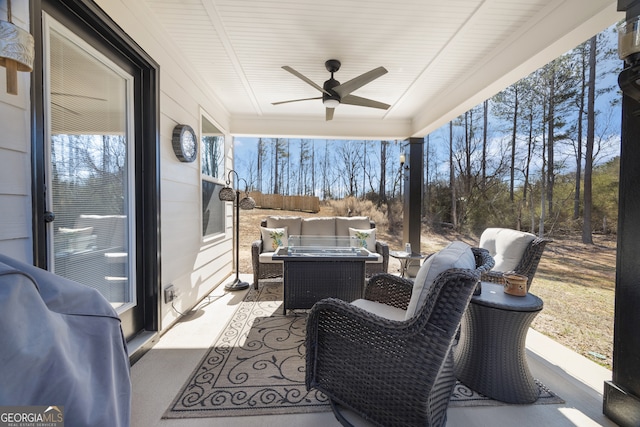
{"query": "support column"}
(622, 394)
(412, 204)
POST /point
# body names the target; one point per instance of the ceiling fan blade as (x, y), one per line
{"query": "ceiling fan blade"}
(295, 100)
(363, 102)
(346, 88)
(304, 78)
(329, 114)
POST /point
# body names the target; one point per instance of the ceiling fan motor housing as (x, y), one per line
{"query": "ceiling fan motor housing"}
(328, 86)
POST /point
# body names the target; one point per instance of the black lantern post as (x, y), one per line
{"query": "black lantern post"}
(227, 194)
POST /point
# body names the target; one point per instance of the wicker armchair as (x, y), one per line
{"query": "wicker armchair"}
(526, 265)
(391, 372)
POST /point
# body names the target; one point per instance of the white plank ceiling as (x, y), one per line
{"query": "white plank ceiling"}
(443, 57)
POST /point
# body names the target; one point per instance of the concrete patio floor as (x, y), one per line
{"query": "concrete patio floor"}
(160, 373)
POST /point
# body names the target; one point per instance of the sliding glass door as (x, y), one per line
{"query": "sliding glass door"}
(89, 143)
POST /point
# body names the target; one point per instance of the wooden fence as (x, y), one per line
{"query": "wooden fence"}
(288, 203)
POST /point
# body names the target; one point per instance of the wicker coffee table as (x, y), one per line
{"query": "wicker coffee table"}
(490, 357)
(311, 274)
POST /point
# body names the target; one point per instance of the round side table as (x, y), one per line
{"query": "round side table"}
(405, 259)
(490, 357)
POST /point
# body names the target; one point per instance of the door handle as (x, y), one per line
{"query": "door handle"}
(49, 216)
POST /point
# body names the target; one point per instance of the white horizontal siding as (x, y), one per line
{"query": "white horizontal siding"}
(15, 163)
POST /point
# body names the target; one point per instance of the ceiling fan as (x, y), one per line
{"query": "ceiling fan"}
(334, 93)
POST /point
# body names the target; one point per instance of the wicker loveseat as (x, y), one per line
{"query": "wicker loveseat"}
(264, 267)
(387, 357)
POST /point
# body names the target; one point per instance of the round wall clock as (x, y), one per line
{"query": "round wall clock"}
(185, 143)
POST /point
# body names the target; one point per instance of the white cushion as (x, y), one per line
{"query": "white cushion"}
(266, 258)
(378, 259)
(455, 255)
(272, 238)
(293, 224)
(321, 226)
(343, 223)
(363, 238)
(506, 246)
(382, 310)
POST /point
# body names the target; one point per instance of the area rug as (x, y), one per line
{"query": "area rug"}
(257, 367)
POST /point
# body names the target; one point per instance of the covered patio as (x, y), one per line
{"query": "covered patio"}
(221, 61)
(442, 60)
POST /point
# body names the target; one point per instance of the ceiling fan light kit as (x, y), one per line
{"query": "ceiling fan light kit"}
(330, 102)
(334, 93)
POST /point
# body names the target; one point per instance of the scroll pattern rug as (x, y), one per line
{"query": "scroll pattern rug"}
(257, 367)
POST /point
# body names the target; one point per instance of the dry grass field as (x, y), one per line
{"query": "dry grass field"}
(575, 281)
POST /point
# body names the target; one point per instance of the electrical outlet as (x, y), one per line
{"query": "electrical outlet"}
(169, 294)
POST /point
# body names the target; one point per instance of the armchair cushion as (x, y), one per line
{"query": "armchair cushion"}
(380, 309)
(364, 238)
(455, 255)
(506, 246)
(273, 237)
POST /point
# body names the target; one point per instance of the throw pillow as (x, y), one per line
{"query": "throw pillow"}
(273, 237)
(343, 223)
(455, 255)
(364, 238)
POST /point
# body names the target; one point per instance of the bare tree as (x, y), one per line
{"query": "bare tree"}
(582, 62)
(384, 147)
(485, 106)
(261, 157)
(426, 192)
(326, 192)
(588, 164)
(350, 158)
(280, 155)
(313, 169)
(452, 179)
(507, 106)
(559, 81)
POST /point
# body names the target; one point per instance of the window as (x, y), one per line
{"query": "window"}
(212, 167)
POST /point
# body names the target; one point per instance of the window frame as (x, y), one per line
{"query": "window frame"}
(208, 238)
